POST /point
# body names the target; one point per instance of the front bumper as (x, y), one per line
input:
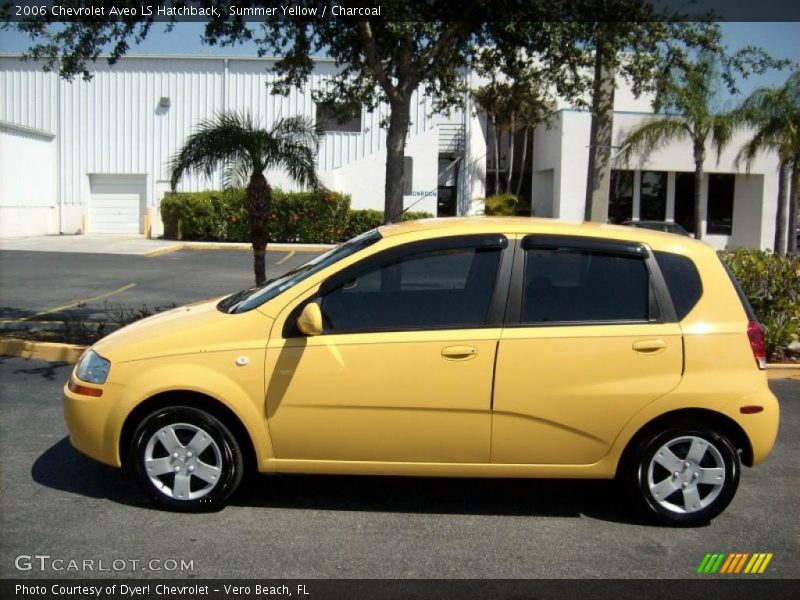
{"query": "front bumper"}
(90, 421)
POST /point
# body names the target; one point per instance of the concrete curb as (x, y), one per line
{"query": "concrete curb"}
(49, 351)
(780, 371)
(238, 246)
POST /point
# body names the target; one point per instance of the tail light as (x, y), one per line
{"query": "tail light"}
(758, 343)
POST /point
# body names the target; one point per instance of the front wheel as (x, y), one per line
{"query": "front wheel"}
(684, 475)
(186, 459)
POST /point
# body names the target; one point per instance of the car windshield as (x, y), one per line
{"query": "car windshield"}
(253, 297)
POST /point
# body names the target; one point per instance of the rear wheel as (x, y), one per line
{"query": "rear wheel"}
(186, 459)
(684, 475)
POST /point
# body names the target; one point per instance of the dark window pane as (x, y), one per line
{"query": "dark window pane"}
(432, 290)
(653, 205)
(720, 204)
(332, 117)
(620, 199)
(565, 285)
(408, 175)
(683, 281)
(684, 200)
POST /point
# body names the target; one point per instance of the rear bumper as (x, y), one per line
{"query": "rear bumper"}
(761, 428)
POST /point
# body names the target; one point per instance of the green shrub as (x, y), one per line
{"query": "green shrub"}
(307, 217)
(365, 219)
(310, 217)
(504, 205)
(772, 284)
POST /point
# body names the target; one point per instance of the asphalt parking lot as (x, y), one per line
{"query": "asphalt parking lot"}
(53, 286)
(54, 501)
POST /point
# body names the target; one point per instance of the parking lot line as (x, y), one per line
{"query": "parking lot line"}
(74, 304)
(287, 257)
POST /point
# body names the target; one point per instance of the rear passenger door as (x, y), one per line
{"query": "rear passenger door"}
(590, 339)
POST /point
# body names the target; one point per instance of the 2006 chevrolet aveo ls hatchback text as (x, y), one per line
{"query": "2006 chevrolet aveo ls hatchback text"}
(459, 347)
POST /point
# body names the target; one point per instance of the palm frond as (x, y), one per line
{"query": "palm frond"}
(652, 134)
(227, 137)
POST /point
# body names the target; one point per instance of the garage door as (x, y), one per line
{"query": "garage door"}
(117, 203)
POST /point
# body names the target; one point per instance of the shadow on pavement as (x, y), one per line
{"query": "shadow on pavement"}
(62, 468)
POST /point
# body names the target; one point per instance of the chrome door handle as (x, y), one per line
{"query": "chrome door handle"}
(649, 346)
(459, 352)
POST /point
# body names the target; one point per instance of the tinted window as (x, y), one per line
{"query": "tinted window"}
(653, 205)
(720, 204)
(338, 117)
(428, 290)
(683, 281)
(249, 299)
(577, 285)
(620, 196)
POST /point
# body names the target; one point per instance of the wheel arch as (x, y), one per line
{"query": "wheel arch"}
(693, 416)
(193, 399)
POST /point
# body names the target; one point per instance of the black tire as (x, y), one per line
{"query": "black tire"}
(643, 471)
(220, 462)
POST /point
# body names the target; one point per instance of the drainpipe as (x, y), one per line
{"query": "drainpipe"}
(59, 195)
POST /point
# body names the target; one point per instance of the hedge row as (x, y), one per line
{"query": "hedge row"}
(772, 284)
(307, 217)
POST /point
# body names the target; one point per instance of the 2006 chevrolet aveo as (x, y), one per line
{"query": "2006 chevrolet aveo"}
(460, 347)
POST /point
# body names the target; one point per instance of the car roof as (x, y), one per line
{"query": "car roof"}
(508, 225)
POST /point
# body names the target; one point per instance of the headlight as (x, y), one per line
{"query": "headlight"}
(93, 368)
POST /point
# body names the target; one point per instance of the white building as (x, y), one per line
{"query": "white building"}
(93, 156)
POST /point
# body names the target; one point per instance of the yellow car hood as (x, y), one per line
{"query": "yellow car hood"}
(191, 329)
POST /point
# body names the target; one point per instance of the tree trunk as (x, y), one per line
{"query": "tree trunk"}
(395, 151)
(259, 196)
(794, 204)
(510, 153)
(784, 191)
(699, 184)
(522, 161)
(598, 179)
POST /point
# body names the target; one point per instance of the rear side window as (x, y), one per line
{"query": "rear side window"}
(574, 285)
(683, 281)
(748, 308)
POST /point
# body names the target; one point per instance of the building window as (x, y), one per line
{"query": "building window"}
(684, 200)
(408, 175)
(338, 117)
(653, 206)
(620, 197)
(720, 204)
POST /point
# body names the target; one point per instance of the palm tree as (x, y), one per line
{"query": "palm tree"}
(696, 121)
(235, 142)
(774, 113)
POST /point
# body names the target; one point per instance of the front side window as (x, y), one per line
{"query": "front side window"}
(253, 297)
(576, 285)
(436, 289)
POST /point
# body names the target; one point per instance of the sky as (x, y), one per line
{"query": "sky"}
(781, 40)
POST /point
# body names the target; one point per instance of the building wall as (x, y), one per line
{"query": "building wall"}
(27, 181)
(116, 124)
(755, 192)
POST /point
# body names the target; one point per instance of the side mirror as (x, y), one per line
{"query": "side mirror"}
(310, 320)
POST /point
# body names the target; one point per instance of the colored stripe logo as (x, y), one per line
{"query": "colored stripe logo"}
(735, 563)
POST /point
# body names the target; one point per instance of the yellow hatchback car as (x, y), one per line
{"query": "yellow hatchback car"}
(475, 347)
